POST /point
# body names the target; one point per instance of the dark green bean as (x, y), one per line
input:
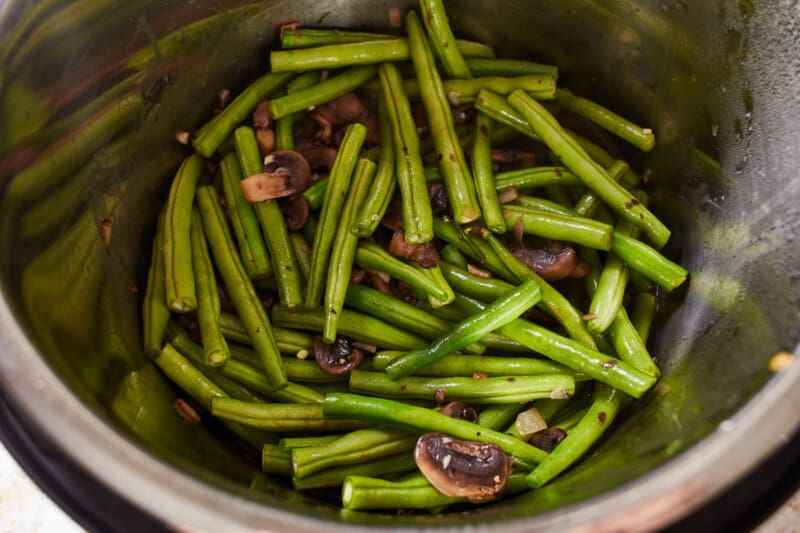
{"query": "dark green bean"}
(289, 341)
(644, 308)
(284, 126)
(179, 275)
(451, 254)
(491, 390)
(592, 174)
(240, 289)
(344, 249)
(641, 138)
(423, 420)
(332, 206)
(410, 176)
(208, 138)
(496, 107)
(380, 196)
(457, 178)
(498, 313)
(155, 313)
(273, 226)
(333, 477)
(352, 324)
(290, 443)
(600, 415)
(275, 460)
(302, 253)
(607, 298)
(590, 201)
(470, 365)
(256, 380)
(252, 247)
(208, 307)
(321, 93)
(280, 417)
(483, 173)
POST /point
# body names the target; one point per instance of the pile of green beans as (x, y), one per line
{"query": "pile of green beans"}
(458, 327)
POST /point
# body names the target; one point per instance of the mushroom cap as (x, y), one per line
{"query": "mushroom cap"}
(474, 470)
(337, 358)
(460, 410)
(550, 264)
(286, 172)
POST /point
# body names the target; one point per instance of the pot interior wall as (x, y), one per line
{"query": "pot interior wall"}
(713, 79)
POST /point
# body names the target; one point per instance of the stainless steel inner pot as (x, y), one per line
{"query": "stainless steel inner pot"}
(719, 82)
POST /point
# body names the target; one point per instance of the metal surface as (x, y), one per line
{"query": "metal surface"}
(714, 79)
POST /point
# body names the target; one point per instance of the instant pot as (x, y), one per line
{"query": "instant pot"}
(92, 420)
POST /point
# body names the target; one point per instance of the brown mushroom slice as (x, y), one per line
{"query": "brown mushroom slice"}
(424, 254)
(286, 172)
(295, 211)
(460, 410)
(320, 158)
(460, 468)
(337, 358)
(552, 266)
(261, 116)
(440, 201)
(266, 141)
(344, 109)
(548, 439)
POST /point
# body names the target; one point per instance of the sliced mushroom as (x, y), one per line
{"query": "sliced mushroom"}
(320, 158)
(440, 201)
(346, 108)
(295, 212)
(552, 266)
(582, 269)
(266, 141)
(474, 470)
(460, 410)
(548, 439)
(261, 116)
(286, 172)
(463, 114)
(424, 254)
(337, 358)
(372, 123)
(516, 158)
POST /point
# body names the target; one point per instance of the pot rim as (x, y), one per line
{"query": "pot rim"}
(658, 498)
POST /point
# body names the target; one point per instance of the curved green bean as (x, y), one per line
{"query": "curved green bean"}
(498, 313)
(316, 193)
(648, 262)
(256, 380)
(155, 313)
(442, 39)
(280, 417)
(335, 194)
(334, 477)
(321, 93)
(179, 275)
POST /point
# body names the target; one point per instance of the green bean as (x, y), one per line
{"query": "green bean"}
(483, 173)
(321, 93)
(552, 301)
(590, 201)
(155, 313)
(451, 254)
(535, 177)
(641, 138)
(289, 341)
(421, 420)
(485, 289)
(435, 275)
(496, 107)
(350, 449)
(648, 262)
(302, 253)
(593, 175)
(275, 460)
(470, 365)
(58, 163)
(644, 308)
(334, 477)
(472, 246)
(401, 314)
(242, 293)
(179, 275)
(252, 247)
(290, 443)
(457, 178)
(273, 226)
(208, 138)
(629, 345)
(498, 313)
(600, 415)
(334, 56)
(607, 298)
(256, 380)
(284, 126)
(332, 206)
(512, 68)
(416, 207)
(442, 39)
(541, 204)
(492, 390)
(311, 37)
(585, 232)
(304, 370)
(316, 193)
(380, 195)
(358, 326)
(208, 307)
(574, 355)
(629, 179)
(344, 250)
(280, 417)
(560, 196)
(371, 256)
(463, 91)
